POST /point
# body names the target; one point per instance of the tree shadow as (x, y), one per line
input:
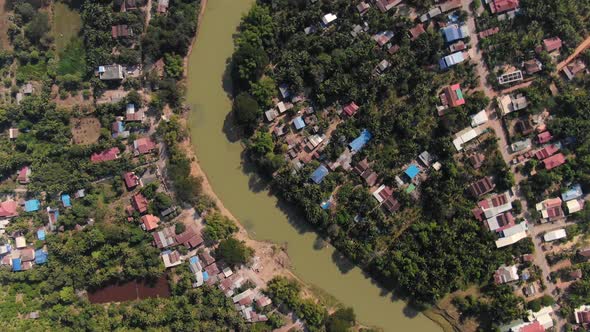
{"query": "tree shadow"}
(342, 263)
(232, 132)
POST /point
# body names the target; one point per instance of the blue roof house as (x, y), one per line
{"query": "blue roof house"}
(358, 143)
(205, 276)
(299, 123)
(412, 171)
(455, 32)
(41, 234)
(32, 205)
(66, 200)
(16, 265)
(574, 192)
(40, 256)
(319, 174)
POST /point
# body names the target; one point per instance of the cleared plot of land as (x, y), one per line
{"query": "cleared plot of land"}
(66, 25)
(72, 60)
(85, 130)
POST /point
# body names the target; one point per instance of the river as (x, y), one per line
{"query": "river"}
(245, 196)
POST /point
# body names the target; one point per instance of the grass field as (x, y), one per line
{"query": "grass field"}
(32, 72)
(73, 58)
(66, 25)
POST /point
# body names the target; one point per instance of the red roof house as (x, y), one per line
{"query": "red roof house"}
(482, 186)
(107, 155)
(140, 203)
(144, 145)
(150, 222)
(532, 327)
(416, 31)
(499, 6)
(131, 180)
(391, 204)
(190, 238)
(546, 152)
(23, 175)
(351, 109)
(452, 96)
(552, 44)
(554, 161)
(8, 209)
(544, 137)
(489, 32)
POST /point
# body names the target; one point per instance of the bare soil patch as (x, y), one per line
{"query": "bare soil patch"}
(4, 24)
(85, 130)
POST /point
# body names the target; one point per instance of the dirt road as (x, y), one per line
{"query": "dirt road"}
(584, 45)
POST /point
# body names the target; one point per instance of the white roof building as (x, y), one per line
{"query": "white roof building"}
(465, 136)
(479, 118)
(20, 242)
(554, 235)
(512, 235)
(543, 316)
(328, 19)
(573, 206)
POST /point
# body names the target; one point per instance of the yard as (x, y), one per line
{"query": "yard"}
(4, 24)
(66, 25)
(85, 130)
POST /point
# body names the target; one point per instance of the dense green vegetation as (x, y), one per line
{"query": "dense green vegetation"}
(433, 246)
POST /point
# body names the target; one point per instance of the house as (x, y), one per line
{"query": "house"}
(512, 235)
(128, 5)
(574, 192)
(111, 72)
(362, 166)
(139, 203)
(299, 123)
(20, 242)
(576, 274)
(144, 145)
(24, 175)
(432, 13)
(150, 222)
(574, 68)
(532, 66)
(500, 222)
(417, 31)
(511, 77)
(552, 44)
(163, 6)
(482, 186)
(386, 5)
(520, 145)
(328, 19)
(16, 264)
(554, 161)
(452, 96)
(40, 256)
(574, 206)
(477, 160)
(131, 180)
(455, 32)
(27, 254)
(319, 174)
(489, 32)
(412, 171)
(134, 116)
(493, 206)
(190, 238)
(544, 137)
(283, 107)
(8, 209)
(529, 290)
(118, 129)
(391, 204)
(506, 274)
(66, 200)
(350, 109)
(107, 155)
(41, 234)
(393, 49)
(509, 104)
(13, 133)
(370, 177)
(479, 118)
(426, 158)
(464, 136)
(32, 205)
(121, 30)
(500, 6)
(171, 258)
(547, 151)
(554, 235)
(451, 60)
(542, 319)
(271, 114)
(363, 8)
(550, 208)
(381, 67)
(358, 143)
(165, 237)
(383, 37)
(382, 193)
(582, 314)
(458, 46)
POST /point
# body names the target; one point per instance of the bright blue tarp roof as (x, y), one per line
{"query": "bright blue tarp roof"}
(360, 141)
(40, 256)
(32, 205)
(65, 199)
(412, 171)
(318, 175)
(299, 123)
